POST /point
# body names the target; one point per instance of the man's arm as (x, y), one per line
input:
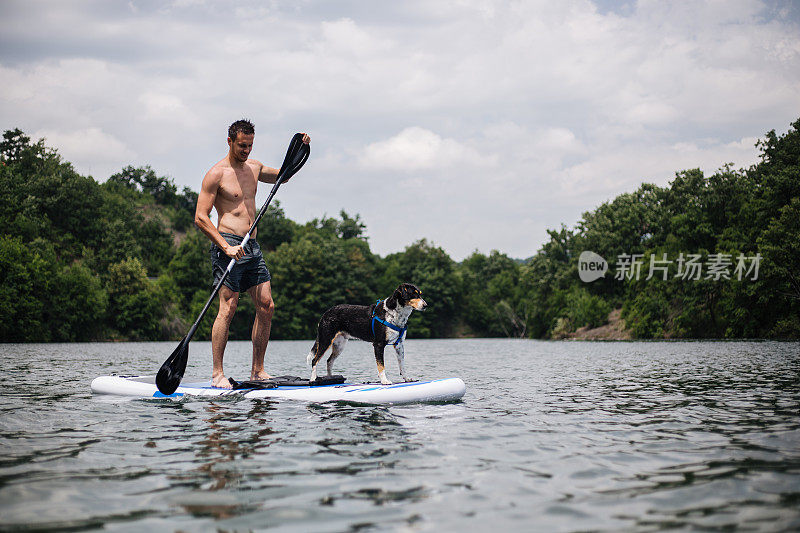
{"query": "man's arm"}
(267, 174)
(202, 219)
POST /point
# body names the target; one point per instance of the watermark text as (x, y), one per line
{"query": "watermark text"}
(687, 266)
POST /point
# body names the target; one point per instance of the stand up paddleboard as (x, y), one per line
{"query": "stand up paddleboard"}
(439, 390)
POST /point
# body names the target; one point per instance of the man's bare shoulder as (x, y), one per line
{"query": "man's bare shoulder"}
(221, 165)
(218, 169)
(213, 177)
(255, 164)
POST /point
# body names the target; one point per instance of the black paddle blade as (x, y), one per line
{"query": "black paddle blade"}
(296, 157)
(171, 372)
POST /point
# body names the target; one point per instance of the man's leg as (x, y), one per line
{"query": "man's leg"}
(219, 334)
(262, 298)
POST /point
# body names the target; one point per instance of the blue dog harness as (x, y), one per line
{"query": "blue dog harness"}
(402, 330)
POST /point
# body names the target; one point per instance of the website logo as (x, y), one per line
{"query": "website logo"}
(591, 266)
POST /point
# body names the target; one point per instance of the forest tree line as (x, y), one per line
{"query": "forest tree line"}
(121, 260)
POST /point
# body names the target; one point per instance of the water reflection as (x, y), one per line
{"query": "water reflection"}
(227, 437)
(359, 431)
(379, 496)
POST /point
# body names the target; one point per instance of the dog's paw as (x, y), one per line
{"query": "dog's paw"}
(386, 382)
(406, 379)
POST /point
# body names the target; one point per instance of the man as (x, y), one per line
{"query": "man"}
(230, 188)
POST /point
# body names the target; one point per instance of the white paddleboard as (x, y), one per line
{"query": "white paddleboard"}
(438, 390)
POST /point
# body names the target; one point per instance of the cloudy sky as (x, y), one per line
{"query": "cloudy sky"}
(475, 124)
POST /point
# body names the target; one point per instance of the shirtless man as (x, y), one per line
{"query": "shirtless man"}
(230, 188)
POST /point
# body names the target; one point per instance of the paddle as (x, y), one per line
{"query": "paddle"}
(171, 372)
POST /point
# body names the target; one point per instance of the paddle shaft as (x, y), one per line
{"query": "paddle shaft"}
(232, 262)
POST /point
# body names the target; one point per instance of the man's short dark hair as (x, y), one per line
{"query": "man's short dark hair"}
(241, 126)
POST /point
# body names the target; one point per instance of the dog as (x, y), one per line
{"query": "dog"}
(381, 323)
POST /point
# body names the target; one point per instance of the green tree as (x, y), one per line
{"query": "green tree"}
(780, 244)
(14, 143)
(308, 277)
(350, 228)
(434, 272)
(275, 229)
(24, 277)
(135, 306)
(76, 305)
(156, 246)
(189, 271)
(491, 303)
(145, 180)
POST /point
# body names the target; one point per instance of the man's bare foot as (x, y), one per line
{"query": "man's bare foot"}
(260, 375)
(221, 382)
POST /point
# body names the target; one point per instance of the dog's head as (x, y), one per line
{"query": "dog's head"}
(406, 295)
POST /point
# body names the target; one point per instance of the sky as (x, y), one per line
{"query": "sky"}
(477, 125)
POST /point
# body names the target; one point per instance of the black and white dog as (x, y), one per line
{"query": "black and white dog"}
(381, 323)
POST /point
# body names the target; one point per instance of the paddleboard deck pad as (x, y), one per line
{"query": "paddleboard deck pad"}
(327, 389)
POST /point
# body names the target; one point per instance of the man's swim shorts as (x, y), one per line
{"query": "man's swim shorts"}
(249, 271)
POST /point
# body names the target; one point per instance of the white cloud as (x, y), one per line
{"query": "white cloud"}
(416, 148)
(167, 108)
(344, 36)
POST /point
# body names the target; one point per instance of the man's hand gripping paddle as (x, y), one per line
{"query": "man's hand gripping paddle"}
(171, 372)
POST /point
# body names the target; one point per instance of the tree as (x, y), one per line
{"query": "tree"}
(24, 277)
(491, 305)
(189, 270)
(434, 272)
(309, 276)
(350, 228)
(135, 308)
(274, 228)
(145, 180)
(780, 244)
(77, 305)
(15, 142)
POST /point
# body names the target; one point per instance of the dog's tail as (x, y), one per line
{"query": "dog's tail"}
(312, 353)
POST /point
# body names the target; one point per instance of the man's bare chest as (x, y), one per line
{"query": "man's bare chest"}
(237, 185)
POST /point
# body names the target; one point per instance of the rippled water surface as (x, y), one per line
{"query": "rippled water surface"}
(551, 436)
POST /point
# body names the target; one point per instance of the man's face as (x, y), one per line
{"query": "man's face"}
(240, 148)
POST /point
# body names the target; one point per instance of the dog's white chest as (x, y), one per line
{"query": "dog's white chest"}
(392, 336)
(398, 319)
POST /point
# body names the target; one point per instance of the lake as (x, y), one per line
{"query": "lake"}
(551, 436)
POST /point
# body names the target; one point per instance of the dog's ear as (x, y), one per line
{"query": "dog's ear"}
(391, 301)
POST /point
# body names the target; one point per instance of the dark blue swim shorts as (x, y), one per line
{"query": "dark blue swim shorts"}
(249, 271)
